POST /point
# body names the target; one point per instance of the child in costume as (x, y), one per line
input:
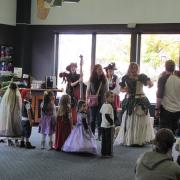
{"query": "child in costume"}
(48, 119)
(81, 138)
(107, 125)
(64, 122)
(10, 114)
(27, 119)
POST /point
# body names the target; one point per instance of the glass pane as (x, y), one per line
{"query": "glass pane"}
(155, 50)
(114, 48)
(70, 48)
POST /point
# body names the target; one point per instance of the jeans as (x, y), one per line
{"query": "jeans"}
(95, 119)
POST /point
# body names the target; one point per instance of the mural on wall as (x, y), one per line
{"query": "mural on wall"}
(42, 9)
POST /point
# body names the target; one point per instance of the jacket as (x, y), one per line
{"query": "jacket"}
(156, 166)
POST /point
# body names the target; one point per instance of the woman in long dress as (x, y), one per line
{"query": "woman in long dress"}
(136, 127)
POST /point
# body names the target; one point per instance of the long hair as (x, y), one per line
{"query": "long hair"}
(132, 64)
(64, 106)
(47, 104)
(94, 74)
(80, 104)
(12, 97)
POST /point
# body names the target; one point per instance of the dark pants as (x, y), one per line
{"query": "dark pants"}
(169, 119)
(26, 129)
(107, 141)
(95, 118)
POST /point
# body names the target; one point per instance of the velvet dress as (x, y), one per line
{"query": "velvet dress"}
(81, 138)
(63, 129)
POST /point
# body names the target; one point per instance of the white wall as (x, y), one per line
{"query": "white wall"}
(111, 12)
(8, 12)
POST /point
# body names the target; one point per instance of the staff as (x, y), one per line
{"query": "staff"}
(81, 75)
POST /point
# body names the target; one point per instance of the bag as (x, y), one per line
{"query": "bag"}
(92, 100)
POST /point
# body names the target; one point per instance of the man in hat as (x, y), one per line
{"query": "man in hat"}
(113, 82)
(168, 97)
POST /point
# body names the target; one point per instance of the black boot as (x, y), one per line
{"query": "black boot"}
(29, 146)
(22, 144)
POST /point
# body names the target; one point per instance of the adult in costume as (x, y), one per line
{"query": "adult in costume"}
(136, 127)
(168, 97)
(114, 87)
(97, 82)
(73, 87)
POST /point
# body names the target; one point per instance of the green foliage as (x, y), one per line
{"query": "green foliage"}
(159, 48)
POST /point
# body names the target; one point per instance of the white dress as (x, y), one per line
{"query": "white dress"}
(10, 114)
(137, 126)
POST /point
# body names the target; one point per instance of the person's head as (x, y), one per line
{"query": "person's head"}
(72, 67)
(170, 66)
(164, 141)
(82, 106)
(133, 69)
(109, 97)
(26, 94)
(12, 86)
(65, 100)
(110, 69)
(97, 72)
(48, 96)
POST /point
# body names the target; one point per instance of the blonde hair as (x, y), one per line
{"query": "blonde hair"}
(132, 64)
(108, 93)
(64, 106)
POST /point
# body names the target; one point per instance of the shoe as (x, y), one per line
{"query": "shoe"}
(16, 143)
(22, 144)
(2, 141)
(29, 146)
(42, 144)
(50, 146)
(10, 142)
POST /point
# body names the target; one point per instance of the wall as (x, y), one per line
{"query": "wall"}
(8, 12)
(111, 12)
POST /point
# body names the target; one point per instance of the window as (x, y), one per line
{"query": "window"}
(114, 48)
(70, 48)
(155, 50)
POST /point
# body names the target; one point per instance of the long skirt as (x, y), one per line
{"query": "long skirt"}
(63, 129)
(135, 130)
(80, 140)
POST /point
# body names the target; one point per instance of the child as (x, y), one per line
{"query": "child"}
(26, 120)
(64, 122)
(10, 113)
(48, 119)
(107, 125)
(81, 138)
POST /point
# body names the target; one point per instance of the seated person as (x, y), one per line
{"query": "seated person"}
(158, 164)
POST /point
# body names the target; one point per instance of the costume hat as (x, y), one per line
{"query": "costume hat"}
(68, 68)
(111, 66)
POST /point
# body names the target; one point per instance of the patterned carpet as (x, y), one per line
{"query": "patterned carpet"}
(37, 164)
